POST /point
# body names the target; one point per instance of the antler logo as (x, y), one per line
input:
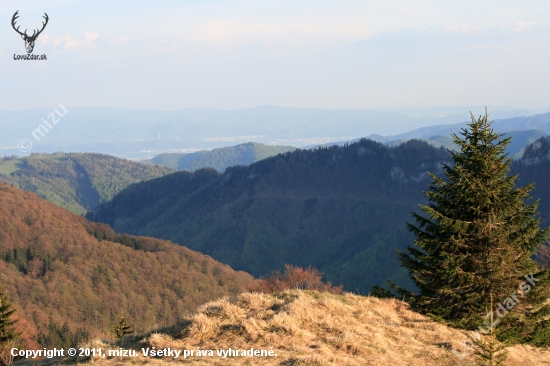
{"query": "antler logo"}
(29, 40)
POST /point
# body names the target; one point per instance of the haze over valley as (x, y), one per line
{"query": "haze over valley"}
(139, 134)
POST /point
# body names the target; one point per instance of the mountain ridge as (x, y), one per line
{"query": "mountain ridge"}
(342, 209)
(289, 209)
(220, 158)
(536, 122)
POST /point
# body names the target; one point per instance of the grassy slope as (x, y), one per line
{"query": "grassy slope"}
(311, 328)
(8, 167)
(220, 159)
(77, 182)
(59, 267)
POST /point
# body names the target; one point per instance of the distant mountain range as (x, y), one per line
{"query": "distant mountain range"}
(277, 204)
(219, 159)
(540, 122)
(520, 139)
(133, 133)
(524, 130)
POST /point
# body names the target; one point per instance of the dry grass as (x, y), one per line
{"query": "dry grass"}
(312, 328)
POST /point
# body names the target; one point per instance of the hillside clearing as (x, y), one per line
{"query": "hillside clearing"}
(10, 166)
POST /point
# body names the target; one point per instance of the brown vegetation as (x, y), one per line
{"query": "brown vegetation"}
(310, 328)
(295, 278)
(68, 277)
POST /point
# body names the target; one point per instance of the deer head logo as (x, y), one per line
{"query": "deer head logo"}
(29, 40)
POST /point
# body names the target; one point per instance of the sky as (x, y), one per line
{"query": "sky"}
(173, 55)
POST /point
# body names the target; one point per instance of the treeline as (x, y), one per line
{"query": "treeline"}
(62, 336)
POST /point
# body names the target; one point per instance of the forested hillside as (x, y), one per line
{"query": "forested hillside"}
(69, 278)
(219, 159)
(534, 166)
(78, 182)
(340, 209)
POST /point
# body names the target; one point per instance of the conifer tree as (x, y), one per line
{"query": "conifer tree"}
(487, 349)
(477, 237)
(122, 328)
(8, 333)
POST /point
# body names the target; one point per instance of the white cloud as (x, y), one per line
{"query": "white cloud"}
(67, 42)
(44, 39)
(461, 28)
(231, 34)
(524, 26)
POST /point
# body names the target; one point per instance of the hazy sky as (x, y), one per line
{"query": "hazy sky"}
(236, 54)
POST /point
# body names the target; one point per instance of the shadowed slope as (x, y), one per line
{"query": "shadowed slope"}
(339, 209)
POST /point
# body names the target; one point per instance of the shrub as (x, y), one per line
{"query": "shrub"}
(295, 277)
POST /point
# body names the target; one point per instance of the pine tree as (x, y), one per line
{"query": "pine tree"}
(487, 349)
(477, 239)
(122, 329)
(8, 333)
